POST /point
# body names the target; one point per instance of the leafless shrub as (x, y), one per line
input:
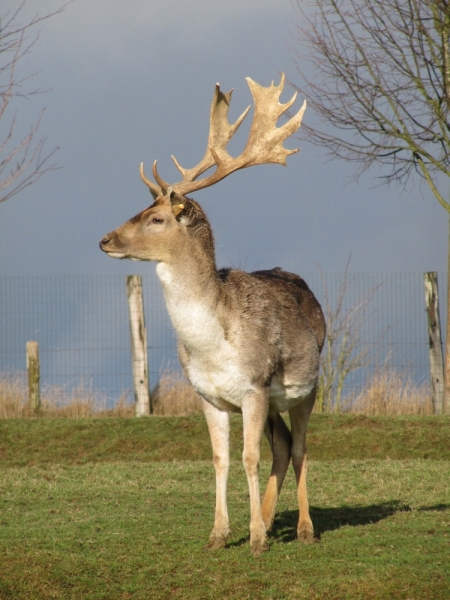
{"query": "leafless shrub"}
(345, 350)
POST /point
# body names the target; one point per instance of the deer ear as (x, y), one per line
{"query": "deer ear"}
(153, 193)
(163, 200)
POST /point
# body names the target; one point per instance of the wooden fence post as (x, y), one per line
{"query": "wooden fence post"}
(138, 345)
(34, 396)
(434, 339)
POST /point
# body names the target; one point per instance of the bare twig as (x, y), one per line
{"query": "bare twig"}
(22, 161)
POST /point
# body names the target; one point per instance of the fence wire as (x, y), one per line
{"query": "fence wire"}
(82, 326)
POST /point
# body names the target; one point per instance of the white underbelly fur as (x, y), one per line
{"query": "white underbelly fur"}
(224, 387)
(284, 395)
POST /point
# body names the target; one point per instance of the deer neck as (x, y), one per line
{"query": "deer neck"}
(192, 292)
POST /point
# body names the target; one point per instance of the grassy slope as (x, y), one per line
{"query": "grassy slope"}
(330, 437)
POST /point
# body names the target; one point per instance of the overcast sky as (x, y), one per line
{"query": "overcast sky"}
(133, 81)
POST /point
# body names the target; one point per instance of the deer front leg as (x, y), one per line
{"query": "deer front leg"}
(218, 426)
(254, 413)
(299, 416)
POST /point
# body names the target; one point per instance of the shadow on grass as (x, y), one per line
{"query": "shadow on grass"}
(329, 519)
(435, 507)
(284, 527)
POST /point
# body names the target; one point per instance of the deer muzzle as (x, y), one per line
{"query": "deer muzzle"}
(109, 245)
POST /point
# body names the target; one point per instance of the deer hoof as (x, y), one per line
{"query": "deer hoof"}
(258, 547)
(305, 535)
(216, 542)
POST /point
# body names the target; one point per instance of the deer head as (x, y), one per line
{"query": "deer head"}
(159, 232)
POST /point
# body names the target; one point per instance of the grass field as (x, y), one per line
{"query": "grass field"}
(121, 508)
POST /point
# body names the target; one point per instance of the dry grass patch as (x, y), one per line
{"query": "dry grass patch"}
(57, 401)
(388, 393)
(175, 397)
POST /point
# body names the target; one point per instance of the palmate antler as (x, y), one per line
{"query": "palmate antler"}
(264, 145)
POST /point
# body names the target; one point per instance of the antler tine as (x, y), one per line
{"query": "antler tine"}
(162, 184)
(154, 189)
(293, 124)
(178, 166)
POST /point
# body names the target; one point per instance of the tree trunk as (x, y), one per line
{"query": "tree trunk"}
(446, 400)
(434, 339)
(138, 345)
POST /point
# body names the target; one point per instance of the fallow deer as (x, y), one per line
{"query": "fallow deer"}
(248, 342)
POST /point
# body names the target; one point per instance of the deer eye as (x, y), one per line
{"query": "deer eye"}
(156, 221)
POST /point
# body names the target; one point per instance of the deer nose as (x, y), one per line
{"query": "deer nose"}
(105, 241)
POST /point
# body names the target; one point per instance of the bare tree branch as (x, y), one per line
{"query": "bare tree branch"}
(22, 161)
(381, 80)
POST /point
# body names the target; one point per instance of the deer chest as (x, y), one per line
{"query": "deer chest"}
(218, 377)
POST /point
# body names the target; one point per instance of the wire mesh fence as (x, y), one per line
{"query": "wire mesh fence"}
(82, 326)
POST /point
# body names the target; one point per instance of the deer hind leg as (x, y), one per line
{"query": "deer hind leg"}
(299, 422)
(254, 414)
(219, 427)
(280, 441)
